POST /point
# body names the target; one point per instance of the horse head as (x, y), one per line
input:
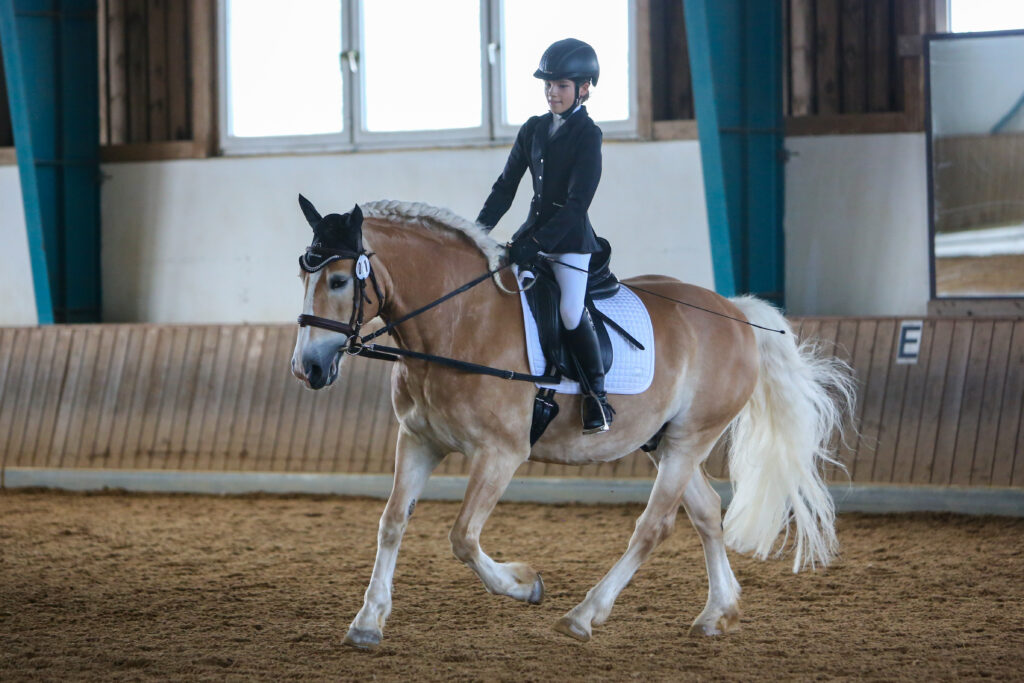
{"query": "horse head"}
(333, 271)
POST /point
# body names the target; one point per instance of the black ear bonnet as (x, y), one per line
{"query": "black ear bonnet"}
(335, 237)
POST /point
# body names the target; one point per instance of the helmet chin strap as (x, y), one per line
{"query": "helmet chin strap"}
(575, 103)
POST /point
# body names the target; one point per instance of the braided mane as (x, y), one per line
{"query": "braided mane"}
(435, 218)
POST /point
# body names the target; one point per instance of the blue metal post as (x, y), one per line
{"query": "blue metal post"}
(50, 54)
(736, 63)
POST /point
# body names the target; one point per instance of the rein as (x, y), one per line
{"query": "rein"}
(357, 345)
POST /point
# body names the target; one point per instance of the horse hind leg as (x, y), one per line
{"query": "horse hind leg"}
(704, 507)
(488, 478)
(678, 461)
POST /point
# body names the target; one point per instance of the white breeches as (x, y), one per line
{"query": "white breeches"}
(573, 284)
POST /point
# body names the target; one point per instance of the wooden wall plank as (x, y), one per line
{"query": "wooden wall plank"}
(384, 416)
(846, 341)
(854, 51)
(12, 387)
(910, 21)
(111, 391)
(802, 60)
(85, 454)
(970, 403)
(116, 94)
(284, 433)
(156, 65)
(178, 79)
(53, 390)
(991, 409)
(135, 37)
(125, 404)
(346, 457)
(188, 388)
(276, 392)
(102, 57)
(248, 402)
(890, 418)
(931, 401)
(332, 426)
(214, 399)
(231, 398)
(28, 386)
(879, 56)
(871, 373)
(951, 402)
(67, 413)
(1004, 467)
(913, 407)
(147, 456)
(827, 56)
(25, 456)
(132, 454)
(171, 398)
(204, 75)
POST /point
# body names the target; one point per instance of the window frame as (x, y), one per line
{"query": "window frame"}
(491, 132)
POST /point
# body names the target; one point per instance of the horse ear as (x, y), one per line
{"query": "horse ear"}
(355, 219)
(312, 215)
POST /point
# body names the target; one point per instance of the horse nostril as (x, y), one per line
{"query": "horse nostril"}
(313, 371)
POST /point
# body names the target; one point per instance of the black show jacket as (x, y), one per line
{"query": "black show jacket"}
(566, 170)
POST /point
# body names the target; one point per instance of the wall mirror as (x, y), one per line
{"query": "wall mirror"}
(975, 99)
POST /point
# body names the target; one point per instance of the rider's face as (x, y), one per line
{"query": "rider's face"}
(561, 94)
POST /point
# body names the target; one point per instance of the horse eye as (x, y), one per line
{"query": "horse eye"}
(338, 281)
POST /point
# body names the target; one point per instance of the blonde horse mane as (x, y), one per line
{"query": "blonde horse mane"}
(434, 218)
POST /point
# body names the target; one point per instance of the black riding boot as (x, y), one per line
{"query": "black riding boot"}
(597, 414)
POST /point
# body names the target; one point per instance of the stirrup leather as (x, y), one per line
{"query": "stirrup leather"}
(597, 413)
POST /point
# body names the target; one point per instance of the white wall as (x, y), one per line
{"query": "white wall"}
(217, 240)
(17, 297)
(857, 225)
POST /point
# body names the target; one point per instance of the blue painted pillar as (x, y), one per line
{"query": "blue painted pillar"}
(51, 63)
(736, 63)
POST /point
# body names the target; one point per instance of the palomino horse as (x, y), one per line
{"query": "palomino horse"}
(780, 402)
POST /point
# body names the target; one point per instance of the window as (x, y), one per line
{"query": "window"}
(341, 74)
(985, 15)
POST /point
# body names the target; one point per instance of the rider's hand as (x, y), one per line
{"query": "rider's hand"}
(523, 251)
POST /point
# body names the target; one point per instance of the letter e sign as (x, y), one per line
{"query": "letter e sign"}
(909, 346)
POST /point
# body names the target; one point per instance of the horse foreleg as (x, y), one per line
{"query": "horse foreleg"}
(414, 461)
(488, 479)
(722, 611)
(652, 527)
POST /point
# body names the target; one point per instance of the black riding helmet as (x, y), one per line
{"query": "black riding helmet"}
(569, 58)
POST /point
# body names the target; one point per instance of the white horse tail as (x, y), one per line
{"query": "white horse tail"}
(779, 444)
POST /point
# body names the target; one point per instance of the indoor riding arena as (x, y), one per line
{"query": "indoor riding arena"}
(193, 486)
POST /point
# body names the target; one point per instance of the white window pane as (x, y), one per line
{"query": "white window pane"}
(283, 71)
(530, 26)
(985, 15)
(421, 65)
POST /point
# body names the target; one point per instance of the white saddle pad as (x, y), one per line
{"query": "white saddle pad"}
(632, 369)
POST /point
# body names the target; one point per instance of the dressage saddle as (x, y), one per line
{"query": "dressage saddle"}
(543, 297)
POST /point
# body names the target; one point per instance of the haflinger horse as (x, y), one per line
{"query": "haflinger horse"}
(781, 404)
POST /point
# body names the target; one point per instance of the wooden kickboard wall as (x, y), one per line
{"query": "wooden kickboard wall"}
(221, 398)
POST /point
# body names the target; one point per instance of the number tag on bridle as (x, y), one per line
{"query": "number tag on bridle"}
(362, 267)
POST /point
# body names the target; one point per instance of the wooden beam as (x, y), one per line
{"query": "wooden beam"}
(879, 56)
(827, 80)
(135, 33)
(116, 94)
(675, 130)
(178, 72)
(644, 91)
(204, 115)
(151, 151)
(8, 157)
(156, 64)
(854, 63)
(848, 124)
(801, 39)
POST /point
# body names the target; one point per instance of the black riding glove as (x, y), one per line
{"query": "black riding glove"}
(523, 251)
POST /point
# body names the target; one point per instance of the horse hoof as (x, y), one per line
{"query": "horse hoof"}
(363, 639)
(725, 623)
(568, 627)
(537, 594)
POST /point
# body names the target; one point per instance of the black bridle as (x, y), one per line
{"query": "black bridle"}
(317, 258)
